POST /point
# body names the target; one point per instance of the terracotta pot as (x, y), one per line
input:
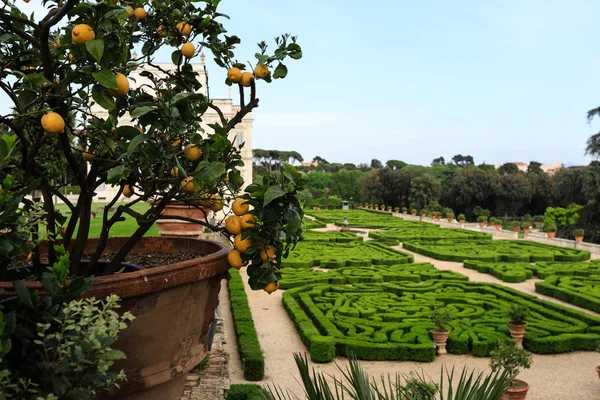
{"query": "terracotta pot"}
(462, 221)
(551, 235)
(440, 337)
(482, 224)
(517, 332)
(422, 215)
(515, 229)
(413, 214)
(578, 239)
(516, 391)
(598, 371)
(173, 227)
(174, 306)
(450, 219)
(405, 212)
(526, 231)
(498, 227)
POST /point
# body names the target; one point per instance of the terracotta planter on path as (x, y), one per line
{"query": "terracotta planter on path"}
(517, 332)
(516, 391)
(173, 227)
(173, 306)
(440, 337)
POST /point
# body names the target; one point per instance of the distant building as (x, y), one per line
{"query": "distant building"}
(241, 134)
(549, 169)
(313, 164)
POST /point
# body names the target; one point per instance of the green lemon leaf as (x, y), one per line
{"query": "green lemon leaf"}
(272, 193)
(95, 48)
(106, 78)
(101, 96)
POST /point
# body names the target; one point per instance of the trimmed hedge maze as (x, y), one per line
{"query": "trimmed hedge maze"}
(338, 255)
(494, 250)
(391, 321)
(426, 233)
(363, 219)
(521, 271)
(253, 362)
(580, 291)
(417, 272)
(340, 237)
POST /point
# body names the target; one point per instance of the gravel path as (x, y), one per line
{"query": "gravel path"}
(551, 377)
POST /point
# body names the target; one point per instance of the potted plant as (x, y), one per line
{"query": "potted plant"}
(482, 219)
(498, 223)
(508, 358)
(526, 227)
(550, 230)
(462, 219)
(413, 212)
(517, 314)
(389, 208)
(382, 207)
(450, 216)
(440, 317)
(516, 226)
(404, 210)
(397, 210)
(366, 205)
(578, 234)
(423, 212)
(69, 91)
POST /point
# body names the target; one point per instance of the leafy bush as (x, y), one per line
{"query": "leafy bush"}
(413, 211)
(441, 317)
(253, 362)
(578, 232)
(428, 232)
(526, 225)
(506, 357)
(423, 211)
(515, 224)
(497, 221)
(404, 209)
(482, 218)
(246, 392)
(461, 217)
(582, 291)
(517, 314)
(550, 227)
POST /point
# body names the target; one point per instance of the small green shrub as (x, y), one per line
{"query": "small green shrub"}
(515, 224)
(423, 211)
(497, 221)
(246, 392)
(413, 211)
(461, 217)
(578, 232)
(518, 313)
(482, 218)
(441, 317)
(506, 357)
(404, 209)
(526, 225)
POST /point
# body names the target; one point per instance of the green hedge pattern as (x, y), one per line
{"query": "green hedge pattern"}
(253, 362)
(494, 250)
(338, 255)
(340, 237)
(363, 219)
(391, 321)
(521, 271)
(425, 233)
(246, 391)
(577, 290)
(417, 272)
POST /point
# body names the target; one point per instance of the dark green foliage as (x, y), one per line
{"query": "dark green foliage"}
(338, 255)
(580, 291)
(506, 272)
(518, 313)
(521, 271)
(391, 321)
(363, 218)
(494, 250)
(246, 392)
(251, 354)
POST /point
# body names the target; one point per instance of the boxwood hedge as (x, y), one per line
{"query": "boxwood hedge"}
(253, 362)
(520, 271)
(391, 321)
(577, 290)
(425, 233)
(362, 219)
(340, 237)
(494, 250)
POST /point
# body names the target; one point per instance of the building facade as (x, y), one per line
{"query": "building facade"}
(241, 134)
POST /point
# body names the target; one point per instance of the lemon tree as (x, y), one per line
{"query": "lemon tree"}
(55, 67)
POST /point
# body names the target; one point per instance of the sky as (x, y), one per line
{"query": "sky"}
(501, 81)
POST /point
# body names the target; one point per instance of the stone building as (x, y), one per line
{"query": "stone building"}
(241, 134)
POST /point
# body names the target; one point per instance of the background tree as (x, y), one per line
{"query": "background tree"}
(395, 164)
(508, 168)
(462, 161)
(347, 184)
(371, 188)
(438, 161)
(375, 163)
(424, 189)
(512, 194)
(472, 187)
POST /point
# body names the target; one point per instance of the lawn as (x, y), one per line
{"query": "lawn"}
(123, 228)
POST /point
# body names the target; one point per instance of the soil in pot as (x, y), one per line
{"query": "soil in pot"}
(516, 391)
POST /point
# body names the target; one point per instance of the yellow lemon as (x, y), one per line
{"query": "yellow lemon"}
(247, 78)
(127, 191)
(53, 123)
(57, 44)
(63, 231)
(233, 224)
(226, 179)
(88, 156)
(261, 71)
(242, 244)
(162, 31)
(140, 14)
(248, 221)
(240, 207)
(234, 75)
(271, 287)
(174, 172)
(187, 184)
(217, 202)
(122, 83)
(82, 33)
(192, 152)
(70, 57)
(129, 11)
(268, 254)
(29, 257)
(235, 259)
(184, 28)
(188, 50)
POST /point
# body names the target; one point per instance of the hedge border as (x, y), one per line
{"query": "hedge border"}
(251, 355)
(548, 287)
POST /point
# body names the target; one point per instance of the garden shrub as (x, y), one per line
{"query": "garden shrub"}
(253, 362)
(391, 321)
(362, 218)
(494, 250)
(425, 233)
(340, 237)
(506, 272)
(582, 291)
(246, 392)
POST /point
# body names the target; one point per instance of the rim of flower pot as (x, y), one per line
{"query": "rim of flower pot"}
(516, 324)
(149, 280)
(518, 386)
(438, 330)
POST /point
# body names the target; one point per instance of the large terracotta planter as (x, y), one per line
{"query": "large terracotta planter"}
(462, 222)
(517, 332)
(578, 239)
(450, 220)
(414, 214)
(516, 391)
(515, 229)
(174, 306)
(482, 224)
(173, 227)
(526, 231)
(551, 235)
(498, 227)
(405, 212)
(440, 337)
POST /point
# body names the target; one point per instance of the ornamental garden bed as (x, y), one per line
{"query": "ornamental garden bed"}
(363, 219)
(494, 250)
(391, 321)
(582, 291)
(425, 233)
(338, 255)
(340, 237)
(417, 272)
(521, 271)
